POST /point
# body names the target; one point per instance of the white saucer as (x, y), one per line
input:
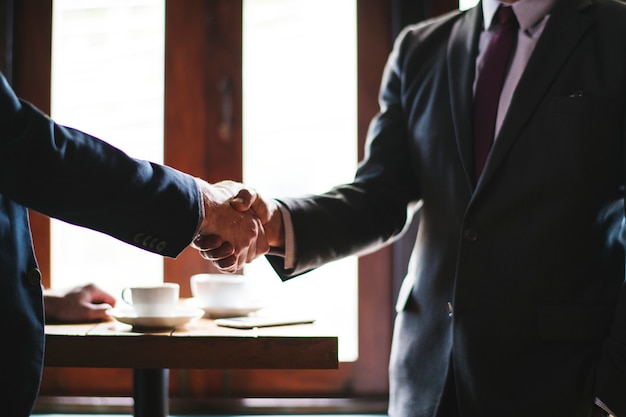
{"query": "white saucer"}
(182, 315)
(224, 312)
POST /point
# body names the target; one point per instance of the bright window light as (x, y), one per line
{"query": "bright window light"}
(300, 134)
(466, 4)
(107, 80)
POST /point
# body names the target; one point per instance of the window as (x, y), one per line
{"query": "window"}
(289, 125)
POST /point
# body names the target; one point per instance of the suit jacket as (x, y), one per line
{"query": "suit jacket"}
(72, 176)
(516, 278)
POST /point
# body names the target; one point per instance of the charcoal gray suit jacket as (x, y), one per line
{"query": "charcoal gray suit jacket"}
(529, 260)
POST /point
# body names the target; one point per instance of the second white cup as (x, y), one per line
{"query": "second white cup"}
(220, 290)
(158, 300)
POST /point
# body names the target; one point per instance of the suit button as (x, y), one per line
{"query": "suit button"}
(33, 277)
(450, 309)
(138, 238)
(161, 246)
(470, 235)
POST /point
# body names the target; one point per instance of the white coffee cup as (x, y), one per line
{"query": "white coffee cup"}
(220, 290)
(159, 300)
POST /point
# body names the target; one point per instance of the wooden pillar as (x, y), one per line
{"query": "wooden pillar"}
(203, 80)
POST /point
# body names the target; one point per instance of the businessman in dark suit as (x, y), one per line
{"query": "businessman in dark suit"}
(514, 303)
(69, 175)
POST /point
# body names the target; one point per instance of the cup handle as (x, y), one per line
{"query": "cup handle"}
(125, 294)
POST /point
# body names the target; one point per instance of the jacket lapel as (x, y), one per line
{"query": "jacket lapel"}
(462, 50)
(561, 35)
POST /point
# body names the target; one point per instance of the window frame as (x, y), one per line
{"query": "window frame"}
(195, 74)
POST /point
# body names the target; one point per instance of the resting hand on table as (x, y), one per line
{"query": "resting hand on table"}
(87, 303)
(266, 210)
(238, 236)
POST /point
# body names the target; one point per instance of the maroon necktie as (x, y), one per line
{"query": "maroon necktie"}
(489, 84)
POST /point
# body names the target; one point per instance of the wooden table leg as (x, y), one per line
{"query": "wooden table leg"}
(150, 392)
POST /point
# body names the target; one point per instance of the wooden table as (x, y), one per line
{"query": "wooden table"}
(198, 345)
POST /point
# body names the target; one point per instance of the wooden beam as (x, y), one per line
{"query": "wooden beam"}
(203, 135)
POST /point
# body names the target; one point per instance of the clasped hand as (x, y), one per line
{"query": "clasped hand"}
(236, 223)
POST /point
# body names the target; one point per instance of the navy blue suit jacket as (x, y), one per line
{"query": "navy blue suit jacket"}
(72, 176)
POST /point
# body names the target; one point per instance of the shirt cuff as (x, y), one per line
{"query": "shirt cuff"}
(290, 240)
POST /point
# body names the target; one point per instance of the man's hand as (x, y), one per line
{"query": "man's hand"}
(82, 304)
(237, 236)
(267, 211)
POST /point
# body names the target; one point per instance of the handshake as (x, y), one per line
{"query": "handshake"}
(238, 225)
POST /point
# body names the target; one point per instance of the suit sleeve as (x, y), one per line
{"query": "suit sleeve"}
(72, 176)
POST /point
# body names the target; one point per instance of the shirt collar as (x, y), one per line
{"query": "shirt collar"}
(527, 12)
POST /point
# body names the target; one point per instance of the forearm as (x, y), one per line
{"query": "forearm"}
(82, 180)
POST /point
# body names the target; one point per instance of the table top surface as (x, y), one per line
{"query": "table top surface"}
(200, 344)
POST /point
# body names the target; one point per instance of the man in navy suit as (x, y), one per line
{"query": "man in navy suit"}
(514, 302)
(72, 176)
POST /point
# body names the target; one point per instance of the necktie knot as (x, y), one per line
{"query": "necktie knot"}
(506, 17)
